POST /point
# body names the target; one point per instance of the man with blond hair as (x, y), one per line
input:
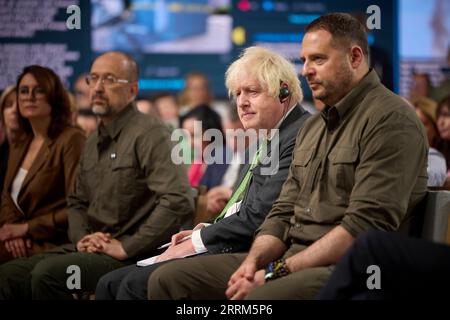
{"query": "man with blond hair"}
(267, 92)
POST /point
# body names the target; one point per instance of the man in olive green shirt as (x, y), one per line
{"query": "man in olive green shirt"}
(360, 164)
(129, 196)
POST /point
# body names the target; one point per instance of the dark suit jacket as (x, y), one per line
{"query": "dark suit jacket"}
(42, 197)
(235, 233)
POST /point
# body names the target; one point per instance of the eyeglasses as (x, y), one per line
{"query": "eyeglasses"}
(108, 80)
(35, 92)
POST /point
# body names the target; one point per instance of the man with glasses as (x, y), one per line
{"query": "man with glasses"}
(129, 196)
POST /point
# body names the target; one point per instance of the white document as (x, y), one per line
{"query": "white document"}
(152, 260)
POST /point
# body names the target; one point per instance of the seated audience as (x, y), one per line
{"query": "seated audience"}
(41, 167)
(129, 196)
(254, 82)
(359, 164)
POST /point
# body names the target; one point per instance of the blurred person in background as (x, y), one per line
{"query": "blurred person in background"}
(196, 92)
(9, 128)
(443, 89)
(218, 196)
(146, 106)
(200, 172)
(83, 116)
(167, 106)
(437, 168)
(443, 126)
(420, 85)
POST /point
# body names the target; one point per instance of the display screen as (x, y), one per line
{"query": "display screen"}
(172, 38)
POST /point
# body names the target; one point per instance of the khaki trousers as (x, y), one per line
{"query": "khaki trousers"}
(206, 277)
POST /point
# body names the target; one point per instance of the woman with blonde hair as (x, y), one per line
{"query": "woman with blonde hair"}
(9, 128)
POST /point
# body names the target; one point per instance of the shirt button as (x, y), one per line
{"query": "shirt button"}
(113, 155)
(297, 225)
(308, 210)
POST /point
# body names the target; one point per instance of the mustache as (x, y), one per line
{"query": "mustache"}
(313, 81)
(98, 96)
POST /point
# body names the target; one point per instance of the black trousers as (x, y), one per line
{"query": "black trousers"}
(127, 283)
(408, 268)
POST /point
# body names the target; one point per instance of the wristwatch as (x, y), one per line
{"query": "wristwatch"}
(276, 269)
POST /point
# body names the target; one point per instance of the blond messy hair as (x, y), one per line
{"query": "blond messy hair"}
(270, 68)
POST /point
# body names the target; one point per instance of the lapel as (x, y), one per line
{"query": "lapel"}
(16, 158)
(293, 116)
(16, 154)
(38, 163)
(242, 172)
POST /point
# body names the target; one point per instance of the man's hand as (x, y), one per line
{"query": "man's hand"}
(177, 237)
(100, 242)
(93, 242)
(179, 250)
(13, 230)
(242, 287)
(18, 247)
(217, 198)
(114, 249)
(246, 270)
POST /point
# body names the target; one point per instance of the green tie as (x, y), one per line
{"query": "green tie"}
(239, 193)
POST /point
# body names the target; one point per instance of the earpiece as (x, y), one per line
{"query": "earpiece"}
(284, 92)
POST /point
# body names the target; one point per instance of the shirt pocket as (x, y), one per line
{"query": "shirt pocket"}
(125, 173)
(302, 168)
(343, 161)
(88, 174)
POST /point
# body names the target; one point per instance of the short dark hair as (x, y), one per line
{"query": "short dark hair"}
(344, 28)
(210, 119)
(445, 102)
(56, 95)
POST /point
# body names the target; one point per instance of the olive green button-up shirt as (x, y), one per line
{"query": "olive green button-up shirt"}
(128, 185)
(361, 164)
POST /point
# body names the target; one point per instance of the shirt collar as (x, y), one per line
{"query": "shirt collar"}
(113, 128)
(272, 131)
(333, 115)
